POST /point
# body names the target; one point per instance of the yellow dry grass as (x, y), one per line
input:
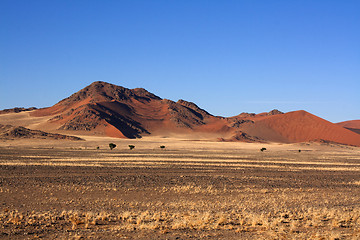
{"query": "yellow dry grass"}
(242, 192)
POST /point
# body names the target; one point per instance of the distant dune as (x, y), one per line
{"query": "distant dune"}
(301, 126)
(352, 125)
(109, 110)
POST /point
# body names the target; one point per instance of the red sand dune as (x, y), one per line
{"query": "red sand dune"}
(301, 126)
(107, 109)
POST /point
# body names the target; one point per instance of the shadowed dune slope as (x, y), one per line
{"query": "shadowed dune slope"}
(352, 125)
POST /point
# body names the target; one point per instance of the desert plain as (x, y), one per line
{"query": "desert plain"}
(191, 189)
(190, 175)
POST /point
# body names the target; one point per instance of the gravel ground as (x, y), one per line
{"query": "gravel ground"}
(65, 193)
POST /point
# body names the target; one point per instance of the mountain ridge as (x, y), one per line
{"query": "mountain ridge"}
(107, 109)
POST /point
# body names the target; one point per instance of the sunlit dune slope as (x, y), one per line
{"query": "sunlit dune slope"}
(301, 126)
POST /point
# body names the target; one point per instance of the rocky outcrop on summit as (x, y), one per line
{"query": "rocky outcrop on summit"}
(274, 112)
(102, 91)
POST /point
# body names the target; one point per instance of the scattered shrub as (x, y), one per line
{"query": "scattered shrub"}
(299, 150)
(162, 146)
(97, 147)
(262, 149)
(112, 146)
(131, 147)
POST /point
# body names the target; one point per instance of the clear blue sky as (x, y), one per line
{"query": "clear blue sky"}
(226, 56)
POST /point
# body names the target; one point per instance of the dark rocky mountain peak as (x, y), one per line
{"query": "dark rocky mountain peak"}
(103, 91)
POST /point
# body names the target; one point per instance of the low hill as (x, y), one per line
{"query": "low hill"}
(14, 132)
(17, 110)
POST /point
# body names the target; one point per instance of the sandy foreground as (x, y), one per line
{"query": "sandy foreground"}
(56, 189)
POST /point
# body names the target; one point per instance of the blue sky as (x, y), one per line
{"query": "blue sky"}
(226, 56)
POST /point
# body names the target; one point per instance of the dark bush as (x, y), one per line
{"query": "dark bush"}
(112, 146)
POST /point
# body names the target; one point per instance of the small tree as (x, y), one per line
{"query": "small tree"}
(299, 150)
(112, 146)
(131, 147)
(162, 146)
(262, 149)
